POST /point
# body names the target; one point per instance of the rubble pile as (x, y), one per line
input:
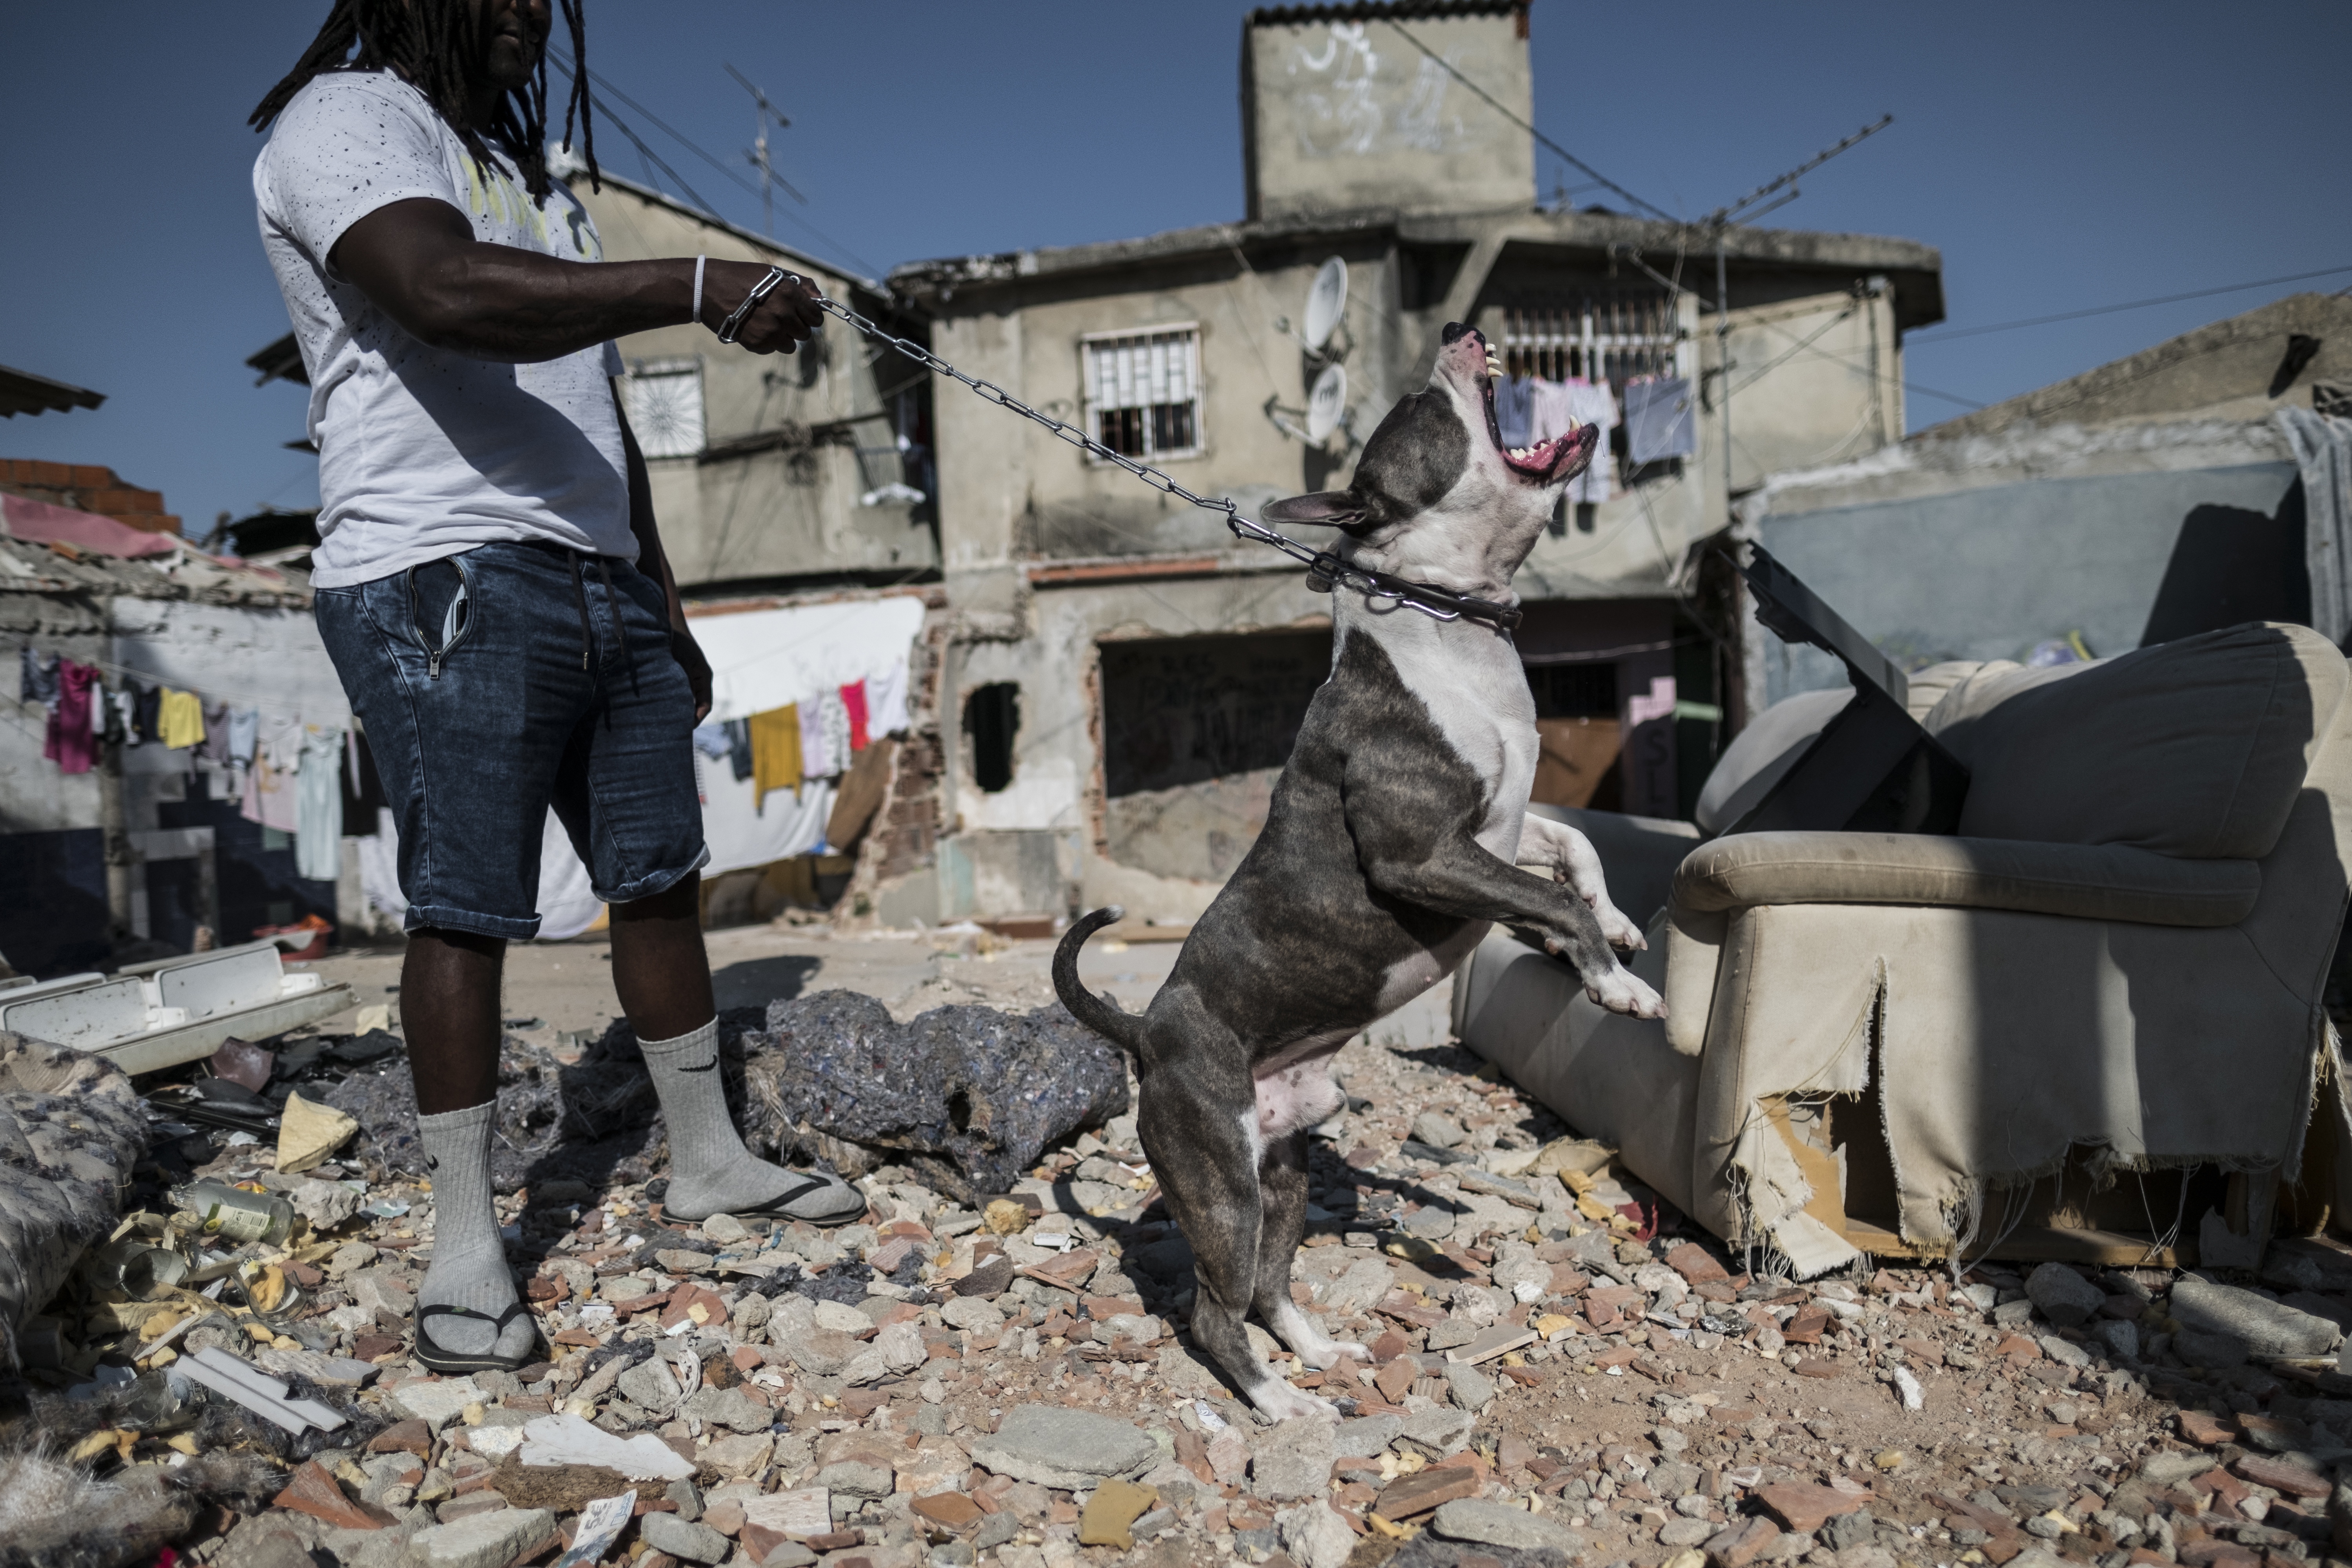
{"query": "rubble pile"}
(1558, 1375)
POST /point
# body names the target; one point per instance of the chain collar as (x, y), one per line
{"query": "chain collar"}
(1325, 571)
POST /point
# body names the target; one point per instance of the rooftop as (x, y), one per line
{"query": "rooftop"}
(22, 392)
(1916, 268)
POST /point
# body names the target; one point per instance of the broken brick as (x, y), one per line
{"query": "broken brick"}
(1814, 1366)
(1808, 1326)
(2197, 1427)
(1804, 1507)
(951, 1511)
(1692, 1262)
(2283, 1476)
(1741, 1541)
(312, 1490)
(403, 1437)
(1409, 1496)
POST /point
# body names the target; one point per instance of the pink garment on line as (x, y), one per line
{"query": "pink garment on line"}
(853, 698)
(70, 742)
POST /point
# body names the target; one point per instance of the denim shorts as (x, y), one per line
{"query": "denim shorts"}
(500, 682)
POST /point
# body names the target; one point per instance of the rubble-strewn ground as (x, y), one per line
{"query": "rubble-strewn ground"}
(1554, 1379)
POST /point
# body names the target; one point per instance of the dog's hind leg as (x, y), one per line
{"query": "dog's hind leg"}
(1200, 1134)
(1282, 1184)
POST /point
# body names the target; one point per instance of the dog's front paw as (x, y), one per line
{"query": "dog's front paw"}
(1278, 1401)
(1331, 1353)
(1622, 933)
(1621, 990)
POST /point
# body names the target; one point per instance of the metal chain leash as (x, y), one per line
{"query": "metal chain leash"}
(1325, 571)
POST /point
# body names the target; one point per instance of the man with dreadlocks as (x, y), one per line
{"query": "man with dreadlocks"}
(490, 583)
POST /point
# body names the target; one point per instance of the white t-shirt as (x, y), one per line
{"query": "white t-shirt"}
(423, 452)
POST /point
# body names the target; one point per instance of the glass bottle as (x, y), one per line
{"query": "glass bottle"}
(233, 1215)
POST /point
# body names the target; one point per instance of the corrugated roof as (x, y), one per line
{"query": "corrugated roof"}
(184, 573)
(22, 392)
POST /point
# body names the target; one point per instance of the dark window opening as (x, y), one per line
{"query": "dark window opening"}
(1123, 429)
(991, 717)
(1586, 689)
(1185, 711)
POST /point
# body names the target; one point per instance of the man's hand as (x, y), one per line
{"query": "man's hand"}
(418, 260)
(786, 318)
(688, 654)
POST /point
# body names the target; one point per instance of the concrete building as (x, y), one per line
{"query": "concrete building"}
(2144, 501)
(1121, 680)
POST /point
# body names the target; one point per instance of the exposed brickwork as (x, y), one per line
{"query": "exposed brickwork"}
(86, 486)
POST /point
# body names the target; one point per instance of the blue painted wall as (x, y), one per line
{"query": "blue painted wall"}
(1986, 574)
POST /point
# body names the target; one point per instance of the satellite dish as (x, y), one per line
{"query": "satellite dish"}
(1325, 301)
(1327, 401)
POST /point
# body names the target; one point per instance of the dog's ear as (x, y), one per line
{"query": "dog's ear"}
(1328, 509)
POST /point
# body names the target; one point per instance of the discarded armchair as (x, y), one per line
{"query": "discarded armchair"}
(2032, 1032)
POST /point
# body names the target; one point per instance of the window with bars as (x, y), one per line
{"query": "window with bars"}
(1604, 337)
(663, 400)
(1143, 391)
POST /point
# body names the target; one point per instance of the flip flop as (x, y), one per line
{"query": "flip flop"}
(440, 1360)
(807, 1184)
(811, 1183)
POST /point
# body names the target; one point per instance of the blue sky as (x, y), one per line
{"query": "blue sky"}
(2062, 156)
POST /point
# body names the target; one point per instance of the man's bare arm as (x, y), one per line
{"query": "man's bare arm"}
(418, 261)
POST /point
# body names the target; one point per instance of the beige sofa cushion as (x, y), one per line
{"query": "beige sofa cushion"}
(2194, 749)
(2090, 881)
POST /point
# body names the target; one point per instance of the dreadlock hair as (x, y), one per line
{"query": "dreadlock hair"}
(437, 46)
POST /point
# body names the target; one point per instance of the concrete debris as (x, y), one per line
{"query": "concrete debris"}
(2261, 1325)
(992, 1369)
(968, 1096)
(2063, 1296)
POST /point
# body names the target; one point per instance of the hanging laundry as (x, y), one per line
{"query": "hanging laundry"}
(776, 752)
(120, 716)
(1659, 420)
(36, 678)
(148, 706)
(244, 733)
(739, 742)
(180, 720)
(886, 700)
(1513, 411)
(711, 740)
(1591, 402)
(1550, 412)
(70, 742)
(816, 763)
(269, 796)
(214, 748)
(834, 714)
(319, 806)
(362, 790)
(852, 699)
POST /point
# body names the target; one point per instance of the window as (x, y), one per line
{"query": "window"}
(1143, 392)
(991, 717)
(664, 399)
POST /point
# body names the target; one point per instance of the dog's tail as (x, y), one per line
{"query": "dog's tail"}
(1100, 1014)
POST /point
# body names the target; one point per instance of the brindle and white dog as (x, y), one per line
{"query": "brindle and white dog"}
(1391, 846)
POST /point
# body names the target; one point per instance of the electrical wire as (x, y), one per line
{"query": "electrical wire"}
(606, 90)
(2128, 305)
(1550, 146)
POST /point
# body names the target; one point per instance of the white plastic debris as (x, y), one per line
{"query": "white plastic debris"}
(264, 1395)
(601, 1523)
(568, 1440)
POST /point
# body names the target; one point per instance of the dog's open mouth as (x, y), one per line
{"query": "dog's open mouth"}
(1557, 457)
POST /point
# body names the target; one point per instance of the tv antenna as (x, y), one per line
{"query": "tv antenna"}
(764, 114)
